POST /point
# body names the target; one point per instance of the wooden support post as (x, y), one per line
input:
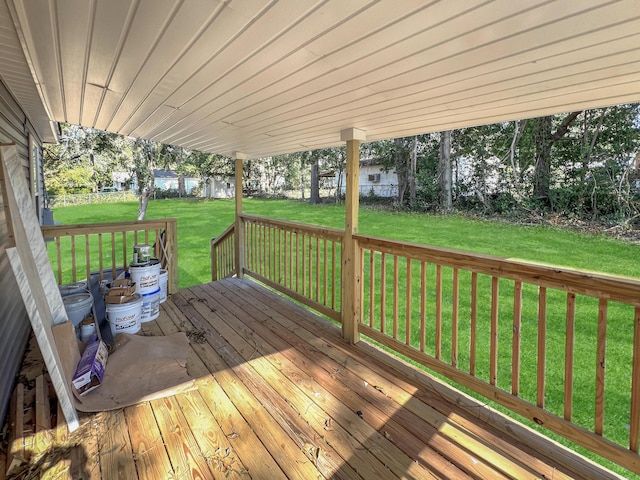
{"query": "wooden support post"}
(239, 233)
(172, 264)
(351, 262)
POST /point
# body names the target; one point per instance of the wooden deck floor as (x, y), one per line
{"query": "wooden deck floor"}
(281, 395)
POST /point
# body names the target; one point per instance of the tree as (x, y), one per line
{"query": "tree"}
(146, 156)
(445, 173)
(83, 161)
(544, 142)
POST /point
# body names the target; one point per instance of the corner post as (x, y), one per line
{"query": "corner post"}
(351, 264)
(239, 226)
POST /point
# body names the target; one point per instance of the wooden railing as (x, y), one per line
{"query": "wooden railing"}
(78, 251)
(532, 338)
(299, 260)
(535, 339)
(223, 259)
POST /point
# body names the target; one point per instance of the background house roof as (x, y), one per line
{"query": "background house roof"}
(264, 77)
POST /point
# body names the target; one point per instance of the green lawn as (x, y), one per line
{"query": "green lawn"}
(199, 221)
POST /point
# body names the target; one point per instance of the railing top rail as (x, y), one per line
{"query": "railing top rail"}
(224, 235)
(325, 232)
(108, 227)
(609, 286)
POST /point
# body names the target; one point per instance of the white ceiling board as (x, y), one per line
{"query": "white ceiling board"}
(274, 76)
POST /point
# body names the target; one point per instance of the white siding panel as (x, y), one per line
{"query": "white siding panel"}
(14, 323)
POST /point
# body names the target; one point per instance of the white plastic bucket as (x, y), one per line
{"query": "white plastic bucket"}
(73, 288)
(145, 277)
(164, 280)
(78, 306)
(125, 317)
(150, 306)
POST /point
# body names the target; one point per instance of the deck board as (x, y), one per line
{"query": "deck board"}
(281, 395)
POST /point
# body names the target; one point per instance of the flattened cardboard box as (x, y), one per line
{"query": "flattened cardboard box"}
(90, 371)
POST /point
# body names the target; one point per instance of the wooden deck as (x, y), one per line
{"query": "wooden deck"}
(281, 395)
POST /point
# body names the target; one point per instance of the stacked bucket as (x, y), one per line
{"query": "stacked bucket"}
(145, 274)
(78, 303)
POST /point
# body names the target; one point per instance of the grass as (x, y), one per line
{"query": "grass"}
(198, 221)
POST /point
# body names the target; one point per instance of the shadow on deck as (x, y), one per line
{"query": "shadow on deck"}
(281, 395)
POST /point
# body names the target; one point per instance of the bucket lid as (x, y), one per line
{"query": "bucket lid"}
(150, 263)
(137, 298)
(72, 287)
(77, 298)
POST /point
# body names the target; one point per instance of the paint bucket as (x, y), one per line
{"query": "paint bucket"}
(141, 253)
(125, 317)
(145, 276)
(87, 329)
(73, 288)
(150, 306)
(78, 306)
(164, 280)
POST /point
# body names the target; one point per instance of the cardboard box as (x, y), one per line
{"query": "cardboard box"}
(90, 371)
(122, 287)
(118, 298)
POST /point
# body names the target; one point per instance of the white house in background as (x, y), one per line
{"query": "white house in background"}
(219, 187)
(373, 179)
(169, 180)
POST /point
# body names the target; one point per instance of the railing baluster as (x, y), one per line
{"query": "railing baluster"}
(113, 255)
(454, 319)
(634, 421)
(423, 304)
(304, 263)
(517, 337)
(280, 232)
(269, 247)
(542, 348)
(100, 262)
(59, 259)
(298, 263)
(285, 254)
(568, 355)
(87, 256)
(317, 298)
(601, 349)
(124, 249)
(493, 362)
(438, 311)
(395, 297)
(334, 289)
(407, 305)
(324, 272)
(372, 285)
(383, 293)
(473, 320)
(73, 258)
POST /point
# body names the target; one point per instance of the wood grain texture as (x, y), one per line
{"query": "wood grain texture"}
(150, 455)
(38, 287)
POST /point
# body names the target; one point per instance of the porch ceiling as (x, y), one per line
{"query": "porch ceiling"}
(265, 77)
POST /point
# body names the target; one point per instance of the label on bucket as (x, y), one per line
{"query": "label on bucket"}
(127, 321)
(148, 281)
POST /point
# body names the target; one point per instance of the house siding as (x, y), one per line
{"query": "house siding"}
(14, 322)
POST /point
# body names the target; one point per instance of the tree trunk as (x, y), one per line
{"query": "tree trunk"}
(412, 171)
(144, 201)
(544, 141)
(315, 184)
(402, 169)
(445, 178)
(182, 190)
(542, 166)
